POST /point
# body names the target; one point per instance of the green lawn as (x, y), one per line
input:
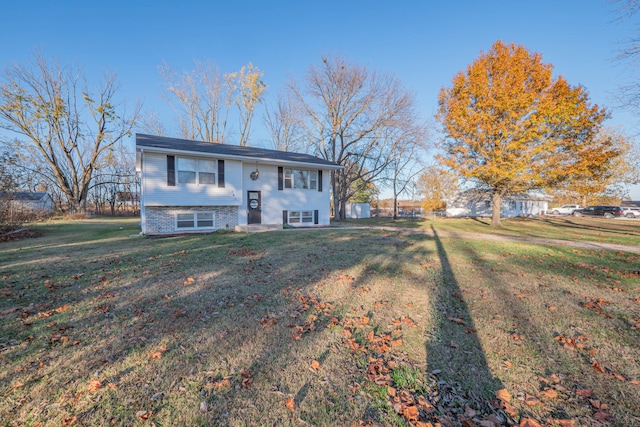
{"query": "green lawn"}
(621, 231)
(318, 327)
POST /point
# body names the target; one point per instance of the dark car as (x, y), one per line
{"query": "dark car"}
(605, 211)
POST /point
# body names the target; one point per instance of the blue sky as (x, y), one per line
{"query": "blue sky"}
(423, 43)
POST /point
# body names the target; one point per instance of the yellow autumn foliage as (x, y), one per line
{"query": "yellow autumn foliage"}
(511, 126)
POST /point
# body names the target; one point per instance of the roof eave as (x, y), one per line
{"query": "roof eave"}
(262, 160)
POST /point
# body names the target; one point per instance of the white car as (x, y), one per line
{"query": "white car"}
(631, 212)
(564, 210)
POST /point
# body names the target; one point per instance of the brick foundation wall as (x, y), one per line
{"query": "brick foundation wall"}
(162, 220)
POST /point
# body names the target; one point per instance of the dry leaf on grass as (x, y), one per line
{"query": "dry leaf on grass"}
(315, 364)
(144, 415)
(584, 392)
(291, 404)
(529, 422)
(549, 393)
(69, 421)
(503, 395)
(94, 385)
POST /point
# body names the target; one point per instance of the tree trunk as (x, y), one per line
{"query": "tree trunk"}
(395, 206)
(495, 209)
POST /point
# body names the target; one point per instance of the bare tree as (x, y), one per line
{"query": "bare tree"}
(247, 91)
(203, 99)
(61, 127)
(355, 118)
(285, 124)
(405, 166)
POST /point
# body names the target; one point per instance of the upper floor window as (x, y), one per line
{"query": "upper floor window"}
(301, 179)
(196, 171)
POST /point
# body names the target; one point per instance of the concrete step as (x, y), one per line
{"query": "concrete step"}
(257, 228)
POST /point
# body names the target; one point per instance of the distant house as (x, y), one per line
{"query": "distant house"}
(193, 186)
(630, 204)
(28, 201)
(478, 203)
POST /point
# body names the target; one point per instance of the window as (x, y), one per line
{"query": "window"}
(487, 203)
(294, 217)
(194, 220)
(313, 180)
(206, 172)
(300, 179)
(288, 178)
(307, 216)
(185, 220)
(300, 217)
(512, 205)
(186, 171)
(200, 171)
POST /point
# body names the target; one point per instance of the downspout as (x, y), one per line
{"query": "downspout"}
(143, 213)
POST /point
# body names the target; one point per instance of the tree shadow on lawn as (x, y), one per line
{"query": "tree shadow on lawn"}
(223, 320)
(534, 314)
(454, 348)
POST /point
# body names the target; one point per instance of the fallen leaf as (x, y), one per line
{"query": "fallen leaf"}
(315, 365)
(411, 413)
(62, 308)
(69, 421)
(584, 392)
(16, 385)
(94, 385)
(503, 395)
(529, 422)
(549, 393)
(562, 423)
(532, 400)
(144, 415)
(291, 404)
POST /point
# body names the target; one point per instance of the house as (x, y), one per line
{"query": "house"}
(478, 203)
(630, 203)
(193, 186)
(28, 201)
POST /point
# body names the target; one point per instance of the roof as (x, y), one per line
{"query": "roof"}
(24, 196)
(484, 193)
(166, 144)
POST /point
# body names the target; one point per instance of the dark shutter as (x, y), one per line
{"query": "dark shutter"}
(221, 173)
(285, 217)
(315, 217)
(280, 178)
(171, 171)
(319, 181)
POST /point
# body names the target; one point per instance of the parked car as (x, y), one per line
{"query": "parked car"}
(564, 210)
(631, 212)
(605, 211)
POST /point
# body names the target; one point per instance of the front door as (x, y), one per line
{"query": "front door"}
(254, 204)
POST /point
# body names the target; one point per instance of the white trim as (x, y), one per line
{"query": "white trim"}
(247, 159)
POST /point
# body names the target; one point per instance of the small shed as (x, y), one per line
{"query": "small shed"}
(358, 210)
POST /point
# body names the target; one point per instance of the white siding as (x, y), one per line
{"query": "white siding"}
(275, 201)
(156, 192)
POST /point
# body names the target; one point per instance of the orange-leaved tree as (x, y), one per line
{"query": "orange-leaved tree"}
(510, 126)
